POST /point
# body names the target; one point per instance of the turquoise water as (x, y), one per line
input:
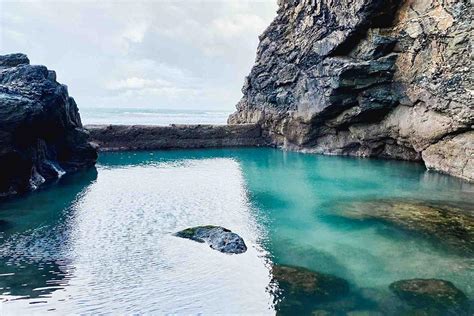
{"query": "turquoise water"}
(151, 116)
(101, 241)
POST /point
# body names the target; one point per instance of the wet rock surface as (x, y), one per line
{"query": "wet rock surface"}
(374, 78)
(447, 225)
(434, 296)
(218, 238)
(41, 134)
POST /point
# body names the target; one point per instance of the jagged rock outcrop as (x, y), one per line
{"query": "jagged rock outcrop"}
(390, 79)
(41, 134)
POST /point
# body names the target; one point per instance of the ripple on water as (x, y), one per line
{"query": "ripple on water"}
(103, 242)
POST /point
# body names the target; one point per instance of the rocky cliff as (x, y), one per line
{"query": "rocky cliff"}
(390, 79)
(41, 135)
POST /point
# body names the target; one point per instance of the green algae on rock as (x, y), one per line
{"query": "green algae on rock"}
(450, 226)
(218, 238)
(298, 280)
(439, 296)
(301, 290)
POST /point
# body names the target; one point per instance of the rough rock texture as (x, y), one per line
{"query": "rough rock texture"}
(41, 135)
(301, 281)
(437, 295)
(136, 137)
(391, 79)
(447, 225)
(299, 290)
(453, 155)
(218, 238)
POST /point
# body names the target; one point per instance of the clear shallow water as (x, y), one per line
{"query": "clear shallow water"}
(151, 116)
(101, 241)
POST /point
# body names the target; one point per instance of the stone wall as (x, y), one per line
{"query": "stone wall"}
(140, 137)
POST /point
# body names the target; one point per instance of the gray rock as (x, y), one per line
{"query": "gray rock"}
(369, 78)
(452, 155)
(218, 238)
(13, 60)
(41, 134)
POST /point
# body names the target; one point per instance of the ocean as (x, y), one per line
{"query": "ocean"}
(151, 116)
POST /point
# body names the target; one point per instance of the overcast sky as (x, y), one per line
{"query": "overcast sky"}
(164, 54)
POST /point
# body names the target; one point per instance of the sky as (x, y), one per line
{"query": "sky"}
(186, 54)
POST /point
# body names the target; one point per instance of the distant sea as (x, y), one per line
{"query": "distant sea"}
(150, 116)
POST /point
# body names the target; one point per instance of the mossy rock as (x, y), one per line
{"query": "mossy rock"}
(218, 238)
(450, 226)
(301, 291)
(302, 281)
(431, 294)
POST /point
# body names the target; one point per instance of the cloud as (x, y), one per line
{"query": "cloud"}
(189, 54)
(135, 83)
(238, 25)
(135, 86)
(135, 31)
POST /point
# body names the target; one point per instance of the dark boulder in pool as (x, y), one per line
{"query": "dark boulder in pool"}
(450, 226)
(304, 282)
(300, 291)
(437, 296)
(218, 238)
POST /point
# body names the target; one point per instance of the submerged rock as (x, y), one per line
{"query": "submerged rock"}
(300, 281)
(301, 291)
(41, 134)
(450, 226)
(432, 294)
(218, 238)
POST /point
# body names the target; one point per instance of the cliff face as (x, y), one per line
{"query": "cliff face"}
(389, 79)
(41, 135)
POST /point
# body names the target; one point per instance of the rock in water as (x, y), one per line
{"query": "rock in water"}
(301, 281)
(431, 294)
(41, 134)
(299, 290)
(218, 238)
(450, 226)
(367, 78)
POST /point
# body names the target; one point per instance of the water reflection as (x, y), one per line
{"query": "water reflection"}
(109, 240)
(34, 238)
(126, 260)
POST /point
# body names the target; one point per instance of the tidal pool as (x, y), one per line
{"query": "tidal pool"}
(102, 240)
